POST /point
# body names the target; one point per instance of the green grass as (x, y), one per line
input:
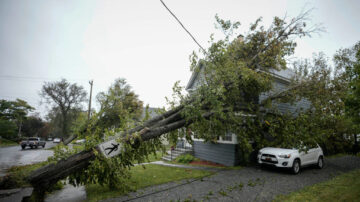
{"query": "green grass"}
(6, 143)
(16, 175)
(141, 178)
(16, 179)
(345, 187)
(152, 157)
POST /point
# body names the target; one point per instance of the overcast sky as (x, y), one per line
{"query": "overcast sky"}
(46, 40)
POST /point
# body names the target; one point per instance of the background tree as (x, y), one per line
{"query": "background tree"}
(66, 98)
(32, 126)
(14, 111)
(8, 129)
(55, 118)
(118, 105)
(45, 131)
(348, 63)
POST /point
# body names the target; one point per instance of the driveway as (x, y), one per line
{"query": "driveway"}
(247, 184)
(15, 156)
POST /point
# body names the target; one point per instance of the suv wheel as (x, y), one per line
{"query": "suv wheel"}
(23, 147)
(320, 163)
(296, 167)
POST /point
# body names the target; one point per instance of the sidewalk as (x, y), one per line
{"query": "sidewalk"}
(69, 194)
(213, 169)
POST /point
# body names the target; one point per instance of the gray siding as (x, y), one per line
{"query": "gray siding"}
(225, 154)
(284, 108)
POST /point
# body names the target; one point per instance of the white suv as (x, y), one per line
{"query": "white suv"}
(291, 158)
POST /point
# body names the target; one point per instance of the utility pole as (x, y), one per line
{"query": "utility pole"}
(91, 85)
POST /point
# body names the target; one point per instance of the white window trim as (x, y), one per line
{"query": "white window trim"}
(221, 141)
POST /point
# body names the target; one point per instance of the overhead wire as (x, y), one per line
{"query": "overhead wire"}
(30, 78)
(177, 19)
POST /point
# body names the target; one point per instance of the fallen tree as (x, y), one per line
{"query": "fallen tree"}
(153, 128)
(232, 78)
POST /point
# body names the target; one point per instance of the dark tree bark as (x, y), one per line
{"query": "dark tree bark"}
(155, 127)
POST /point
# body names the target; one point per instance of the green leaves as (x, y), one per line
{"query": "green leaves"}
(118, 106)
(352, 101)
(12, 110)
(226, 26)
(12, 115)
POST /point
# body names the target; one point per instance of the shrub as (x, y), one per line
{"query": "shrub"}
(187, 158)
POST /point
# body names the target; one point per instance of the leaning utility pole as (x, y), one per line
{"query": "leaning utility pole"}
(91, 85)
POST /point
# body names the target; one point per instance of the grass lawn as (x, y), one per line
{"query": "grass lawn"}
(16, 179)
(17, 174)
(345, 187)
(140, 178)
(6, 143)
(152, 157)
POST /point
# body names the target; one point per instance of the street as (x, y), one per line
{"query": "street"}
(15, 156)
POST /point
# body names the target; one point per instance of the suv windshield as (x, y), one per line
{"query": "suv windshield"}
(33, 138)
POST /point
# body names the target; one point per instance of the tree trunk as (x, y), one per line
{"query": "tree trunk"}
(64, 124)
(166, 117)
(69, 139)
(19, 131)
(50, 174)
(155, 127)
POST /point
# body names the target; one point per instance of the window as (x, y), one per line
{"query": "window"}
(227, 137)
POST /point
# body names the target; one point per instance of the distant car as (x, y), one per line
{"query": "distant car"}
(291, 158)
(80, 141)
(56, 140)
(32, 142)
(49, 139)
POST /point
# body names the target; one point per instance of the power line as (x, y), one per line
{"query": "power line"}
(30, 78)
(183, 26)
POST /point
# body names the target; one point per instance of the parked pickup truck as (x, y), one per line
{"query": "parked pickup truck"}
(32, 142)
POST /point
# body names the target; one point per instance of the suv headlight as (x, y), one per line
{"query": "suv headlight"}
(286, 156)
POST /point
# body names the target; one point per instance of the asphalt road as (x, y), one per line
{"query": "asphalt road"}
(246, 184)
(15, 156)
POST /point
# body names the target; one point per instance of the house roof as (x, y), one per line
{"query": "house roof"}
(152, 112)
(194, 75)
(283, 74)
